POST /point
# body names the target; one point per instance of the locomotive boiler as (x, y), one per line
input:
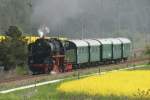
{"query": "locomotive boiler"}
(46, 55)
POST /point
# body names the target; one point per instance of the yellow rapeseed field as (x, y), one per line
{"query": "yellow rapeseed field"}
(121, 83)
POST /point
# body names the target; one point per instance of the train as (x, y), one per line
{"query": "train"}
(55, 55)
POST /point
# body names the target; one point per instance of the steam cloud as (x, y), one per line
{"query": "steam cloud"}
(43, 30)
(92, 17)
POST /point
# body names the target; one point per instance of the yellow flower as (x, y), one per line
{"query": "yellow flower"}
(121, 83)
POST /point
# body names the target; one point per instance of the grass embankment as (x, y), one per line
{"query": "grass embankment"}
(52, 91)
(74, 74)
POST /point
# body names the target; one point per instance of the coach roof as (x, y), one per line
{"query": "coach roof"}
(79, 43)
(124, 40)
(105, 41)
(115, 40)
(92, 42)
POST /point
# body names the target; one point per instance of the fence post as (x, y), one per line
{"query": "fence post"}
(35, 83)
(35, 88)
(78, 75)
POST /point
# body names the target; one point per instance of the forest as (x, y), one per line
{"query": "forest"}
(80, 19)
(15, 12)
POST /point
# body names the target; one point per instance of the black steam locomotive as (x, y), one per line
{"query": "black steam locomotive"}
(46, 55)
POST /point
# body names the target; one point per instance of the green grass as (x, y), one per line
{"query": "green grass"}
(22, 70)
(147, 67)
(50, 92)
(74, 74)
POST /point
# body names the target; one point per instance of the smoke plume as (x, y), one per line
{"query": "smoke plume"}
(93, 18)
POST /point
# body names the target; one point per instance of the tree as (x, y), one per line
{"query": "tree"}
(13, 49)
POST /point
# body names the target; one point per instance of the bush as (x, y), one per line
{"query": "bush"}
(21, 70)
(13, 50)
(147, 52)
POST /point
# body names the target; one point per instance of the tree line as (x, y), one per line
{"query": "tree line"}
(13, 50)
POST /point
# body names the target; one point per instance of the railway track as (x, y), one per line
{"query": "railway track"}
(19, 78)
(34, 77)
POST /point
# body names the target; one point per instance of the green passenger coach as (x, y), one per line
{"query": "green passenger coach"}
(116, 49)
(94, 50)
(106, 49)
(77, 51)
(126, 47)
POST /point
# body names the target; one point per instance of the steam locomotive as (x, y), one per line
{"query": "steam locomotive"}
(47, 55)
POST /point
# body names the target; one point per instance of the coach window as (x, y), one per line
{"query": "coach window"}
(95, 49)
(80, 50)
(92, 49)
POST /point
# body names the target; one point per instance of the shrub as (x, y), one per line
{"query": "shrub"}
(13, 50)
(147, 52)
